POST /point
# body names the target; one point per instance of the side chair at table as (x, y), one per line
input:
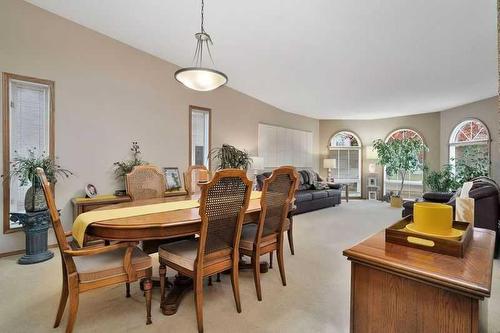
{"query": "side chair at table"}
(267, 235)
(192, 177)
(94, 267)
(145, 182)
(223, 203)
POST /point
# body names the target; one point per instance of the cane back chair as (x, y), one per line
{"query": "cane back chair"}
(192, 177)
(267, 235)
(223, 203)
(94, 267)
(145, 182)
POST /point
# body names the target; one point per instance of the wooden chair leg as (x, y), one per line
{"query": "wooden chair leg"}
(236, 288)
(271, 259)
(163, 273)
(281, 264)
(218, 277)
(63, 299)
(290, 237)
(73, 301)
(198, 299)
(127, 287)
(148, 285)
(210, 280)
(256, 275)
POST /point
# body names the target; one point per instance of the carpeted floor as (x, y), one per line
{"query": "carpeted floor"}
(316, 298)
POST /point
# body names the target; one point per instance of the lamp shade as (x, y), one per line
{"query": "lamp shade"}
(371, 153)
(329, 163)
(257, 163)
(201, 79)
(372, 168)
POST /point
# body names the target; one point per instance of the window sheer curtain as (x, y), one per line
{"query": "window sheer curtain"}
(29, 129)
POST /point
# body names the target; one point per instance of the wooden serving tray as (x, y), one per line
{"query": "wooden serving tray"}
(397, 233)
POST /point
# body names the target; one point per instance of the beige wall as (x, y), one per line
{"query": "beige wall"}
(427, 125)
(109, 94)
(486, 111)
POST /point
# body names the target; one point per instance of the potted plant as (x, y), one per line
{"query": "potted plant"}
(400, 157)
(122, 168)
(24, 168)
(229, 156)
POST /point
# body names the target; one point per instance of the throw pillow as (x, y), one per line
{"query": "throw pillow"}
(320, 186)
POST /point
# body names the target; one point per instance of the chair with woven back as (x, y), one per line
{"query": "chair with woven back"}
(223, 203)
(145, 182)
(93, 267)
(192, 177)
(267, 235)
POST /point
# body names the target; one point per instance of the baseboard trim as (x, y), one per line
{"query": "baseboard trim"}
(13, 253)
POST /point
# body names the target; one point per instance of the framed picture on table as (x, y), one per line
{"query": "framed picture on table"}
(172, 178)
(372, 181)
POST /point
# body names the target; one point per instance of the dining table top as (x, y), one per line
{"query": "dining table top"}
(156, 225)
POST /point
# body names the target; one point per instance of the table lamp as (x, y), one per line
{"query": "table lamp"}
(329, 163)
(257, 164)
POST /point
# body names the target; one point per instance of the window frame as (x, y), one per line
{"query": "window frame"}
(199, 108)
(6, 79)
(453, 133)
(388, 136)
(359, 148)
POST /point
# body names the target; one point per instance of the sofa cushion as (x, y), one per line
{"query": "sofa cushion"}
(332, 192)
(319, 195)
(303, 196)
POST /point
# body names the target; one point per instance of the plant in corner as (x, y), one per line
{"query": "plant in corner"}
(229, 156)
(400, 157)
(24, 168)
(121, 168)
(442, 180)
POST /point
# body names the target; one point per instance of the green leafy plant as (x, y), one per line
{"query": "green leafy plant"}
(124, 167)
(229, 156)
(473, 163)
(443, 180)
(400, 157)
(24, 168)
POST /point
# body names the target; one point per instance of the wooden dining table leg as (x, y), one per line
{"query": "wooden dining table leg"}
(170, 304)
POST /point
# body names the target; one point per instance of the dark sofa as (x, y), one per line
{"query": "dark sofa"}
(307, 197)
(485, 193)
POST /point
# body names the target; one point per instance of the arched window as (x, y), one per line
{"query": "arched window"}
(471, 136)
(345, 147)
(413, 186)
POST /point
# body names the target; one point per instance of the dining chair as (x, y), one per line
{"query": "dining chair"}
(192, 177)
(145, 182)
(267, 235)
(94, 267)
(223, 203)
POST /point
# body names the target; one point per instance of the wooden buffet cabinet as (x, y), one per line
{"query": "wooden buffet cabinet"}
(82, 205)
(395, 288)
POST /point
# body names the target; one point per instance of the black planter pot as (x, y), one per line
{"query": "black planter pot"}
(35, 226)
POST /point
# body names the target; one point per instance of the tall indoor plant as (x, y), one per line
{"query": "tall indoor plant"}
(24, 168)
(400, 157)
(229, 156)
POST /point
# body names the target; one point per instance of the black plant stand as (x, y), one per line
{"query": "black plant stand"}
(35, 226)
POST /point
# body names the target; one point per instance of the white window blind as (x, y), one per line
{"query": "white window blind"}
(200, 141)
(285, 146)
(29, 128)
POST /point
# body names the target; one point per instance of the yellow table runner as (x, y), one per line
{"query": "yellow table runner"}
(85, 219)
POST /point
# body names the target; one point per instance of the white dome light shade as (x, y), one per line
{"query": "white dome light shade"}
(200, 79)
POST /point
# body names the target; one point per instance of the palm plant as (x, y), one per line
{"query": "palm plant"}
(229, 156)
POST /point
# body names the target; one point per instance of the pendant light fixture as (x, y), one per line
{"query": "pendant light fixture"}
(198, 77)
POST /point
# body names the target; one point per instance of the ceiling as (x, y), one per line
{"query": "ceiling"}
(327, 59)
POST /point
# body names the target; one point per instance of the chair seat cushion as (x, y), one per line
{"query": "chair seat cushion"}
(248, 236)
(109, 264)
(182, 253)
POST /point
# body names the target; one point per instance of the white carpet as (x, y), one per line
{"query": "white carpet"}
(316, 298)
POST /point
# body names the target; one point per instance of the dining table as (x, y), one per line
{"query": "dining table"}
(161, 226)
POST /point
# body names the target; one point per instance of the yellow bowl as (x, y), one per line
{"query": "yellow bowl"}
(433, 218)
